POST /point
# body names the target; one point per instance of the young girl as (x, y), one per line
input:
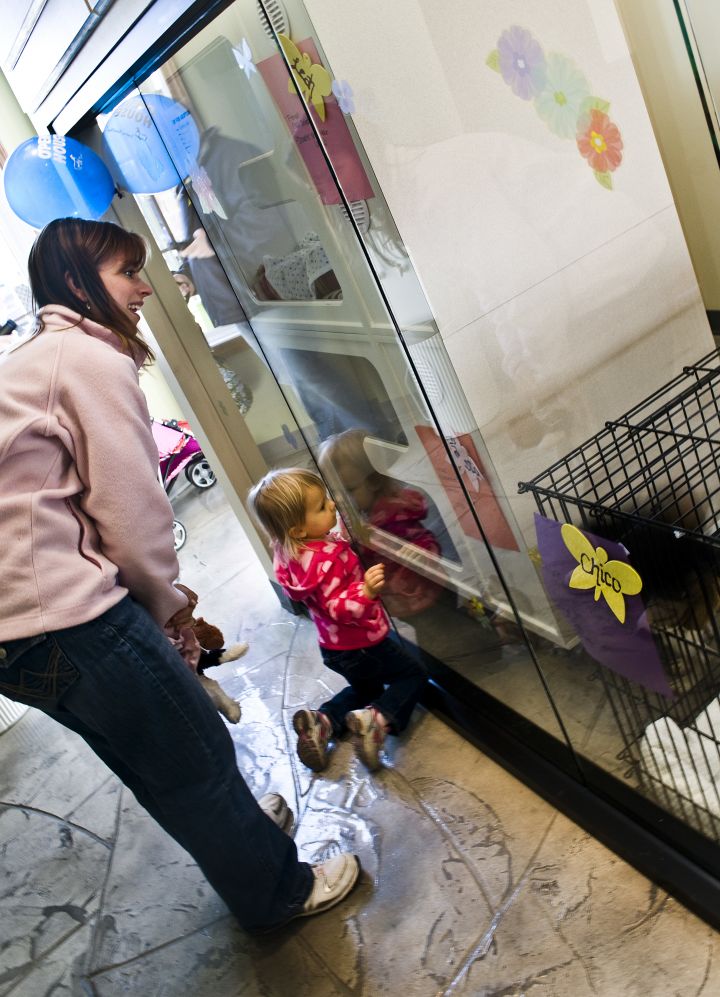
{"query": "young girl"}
(319, 568)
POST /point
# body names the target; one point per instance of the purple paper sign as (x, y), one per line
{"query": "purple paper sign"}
(627, 648)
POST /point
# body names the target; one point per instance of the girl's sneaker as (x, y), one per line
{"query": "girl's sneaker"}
(313, 730)
(368, 736)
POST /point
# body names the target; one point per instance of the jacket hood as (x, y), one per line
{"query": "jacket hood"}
(58, 318)
(302, 576)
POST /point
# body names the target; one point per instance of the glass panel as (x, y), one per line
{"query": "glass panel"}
(700, 21)
(262, 215)
(556, 320)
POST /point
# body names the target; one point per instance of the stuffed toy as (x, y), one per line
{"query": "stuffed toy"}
(213, 652)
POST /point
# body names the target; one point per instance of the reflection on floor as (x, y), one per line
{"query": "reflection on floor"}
(472, 884)
(494, 656)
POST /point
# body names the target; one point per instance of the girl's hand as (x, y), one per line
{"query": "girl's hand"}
(374, 580)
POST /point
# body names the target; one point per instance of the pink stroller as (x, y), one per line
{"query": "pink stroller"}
(178, 450)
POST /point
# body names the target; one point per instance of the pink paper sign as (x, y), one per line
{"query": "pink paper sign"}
(467, 461)
(334, 131)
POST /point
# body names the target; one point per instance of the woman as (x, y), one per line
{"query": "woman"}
(88, 569)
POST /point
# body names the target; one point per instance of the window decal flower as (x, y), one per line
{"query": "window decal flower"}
(344, 96)
(562, 97)
(600, 142)
(521, 62)
(244, 59)
(561, 100)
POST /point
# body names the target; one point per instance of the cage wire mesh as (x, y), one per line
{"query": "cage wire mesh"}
(650, 480)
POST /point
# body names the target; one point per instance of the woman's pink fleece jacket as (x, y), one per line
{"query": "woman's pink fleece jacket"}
(84, 518)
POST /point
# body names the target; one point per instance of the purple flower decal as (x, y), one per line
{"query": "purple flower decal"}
(344, 96)
(522, 62)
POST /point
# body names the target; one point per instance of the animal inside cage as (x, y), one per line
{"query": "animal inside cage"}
(650, 481)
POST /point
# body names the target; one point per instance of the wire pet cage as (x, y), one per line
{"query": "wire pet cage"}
(650, 480)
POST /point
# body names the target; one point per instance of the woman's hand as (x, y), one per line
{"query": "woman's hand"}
(374, 581)
(183, 617)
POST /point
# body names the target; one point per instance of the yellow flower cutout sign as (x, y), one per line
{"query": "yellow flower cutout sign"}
(314, 81)
(612, 579)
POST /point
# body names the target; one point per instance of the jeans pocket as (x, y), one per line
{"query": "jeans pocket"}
(33, 670)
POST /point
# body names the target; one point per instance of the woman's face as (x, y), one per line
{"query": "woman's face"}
(124, 285)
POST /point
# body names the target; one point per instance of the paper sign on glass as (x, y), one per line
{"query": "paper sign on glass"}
(593, 584)
(468, 463)
(314, 82)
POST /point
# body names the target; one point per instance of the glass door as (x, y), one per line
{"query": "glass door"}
(283, 247)
(242, 152)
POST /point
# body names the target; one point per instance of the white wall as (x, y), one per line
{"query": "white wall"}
(561, 303)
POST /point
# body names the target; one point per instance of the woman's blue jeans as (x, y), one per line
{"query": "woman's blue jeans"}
(119, 683)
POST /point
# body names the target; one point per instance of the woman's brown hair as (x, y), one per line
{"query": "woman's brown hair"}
(78, 248)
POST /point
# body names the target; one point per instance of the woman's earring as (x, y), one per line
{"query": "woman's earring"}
(87, 306)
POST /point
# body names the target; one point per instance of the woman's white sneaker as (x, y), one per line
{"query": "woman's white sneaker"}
(334, 879)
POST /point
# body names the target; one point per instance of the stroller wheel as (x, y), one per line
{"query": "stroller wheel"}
(179, 533)
(199, 473)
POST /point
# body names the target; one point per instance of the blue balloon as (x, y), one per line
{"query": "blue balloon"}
(152, 142)
(54, 176)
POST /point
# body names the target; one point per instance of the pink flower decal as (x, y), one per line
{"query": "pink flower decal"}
(600, 142)
(521, 62)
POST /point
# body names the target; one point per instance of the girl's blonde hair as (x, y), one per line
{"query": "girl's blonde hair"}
(347, 450)
(279, 502)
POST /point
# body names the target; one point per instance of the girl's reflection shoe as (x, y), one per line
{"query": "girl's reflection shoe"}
(275, 807)
(368, 736)
(313, 730)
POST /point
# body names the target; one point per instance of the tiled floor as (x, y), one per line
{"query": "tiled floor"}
(472, 884)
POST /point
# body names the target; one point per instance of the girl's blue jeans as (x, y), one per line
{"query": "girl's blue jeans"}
(120, 685)
(383, 676)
